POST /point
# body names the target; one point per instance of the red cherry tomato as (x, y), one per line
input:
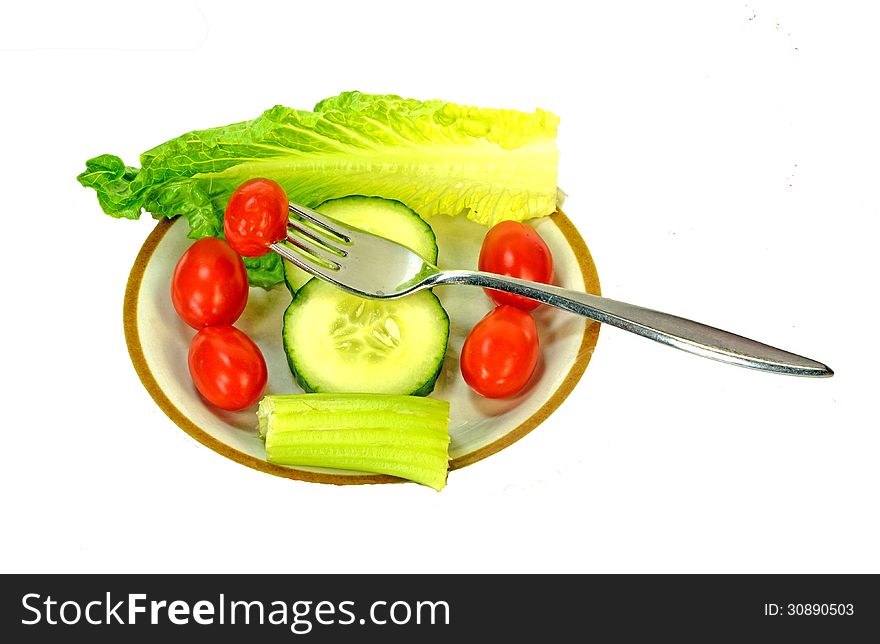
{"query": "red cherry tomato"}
(500, 353)
(256, 216)
(210, 285)
(227, 367)
(516, 250)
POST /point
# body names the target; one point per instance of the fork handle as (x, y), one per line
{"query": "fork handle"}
(687, 335)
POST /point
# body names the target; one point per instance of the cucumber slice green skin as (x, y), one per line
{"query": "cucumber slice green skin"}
(295, 277)
(386, 217)
(318, 365)
(426, 388)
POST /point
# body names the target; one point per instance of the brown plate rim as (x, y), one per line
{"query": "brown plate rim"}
(138, 359)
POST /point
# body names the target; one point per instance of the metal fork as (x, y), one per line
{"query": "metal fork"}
(372, 266)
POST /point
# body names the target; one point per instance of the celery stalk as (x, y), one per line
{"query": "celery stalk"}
(403, 436)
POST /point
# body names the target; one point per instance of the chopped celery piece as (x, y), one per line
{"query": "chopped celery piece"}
(403, 436)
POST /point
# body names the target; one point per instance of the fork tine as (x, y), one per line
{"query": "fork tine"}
(331, 226)
(312, 252)
(304, 260)
(296, 230)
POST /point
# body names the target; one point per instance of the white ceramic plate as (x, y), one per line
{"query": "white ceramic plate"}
(158, 343)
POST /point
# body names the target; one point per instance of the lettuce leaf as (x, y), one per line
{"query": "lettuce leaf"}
(434, 156)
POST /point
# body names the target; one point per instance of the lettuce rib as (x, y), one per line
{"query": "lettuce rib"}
(436, 157)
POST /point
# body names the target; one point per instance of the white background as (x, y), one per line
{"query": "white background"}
(721, 160)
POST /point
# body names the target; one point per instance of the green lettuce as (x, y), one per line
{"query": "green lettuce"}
(434, 156)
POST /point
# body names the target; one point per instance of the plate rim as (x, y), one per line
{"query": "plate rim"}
(149, 382)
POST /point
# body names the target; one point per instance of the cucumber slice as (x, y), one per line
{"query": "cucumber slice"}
(385, 217)
(295, 277)
(341, 343)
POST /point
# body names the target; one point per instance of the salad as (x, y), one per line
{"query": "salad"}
(382, 164)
